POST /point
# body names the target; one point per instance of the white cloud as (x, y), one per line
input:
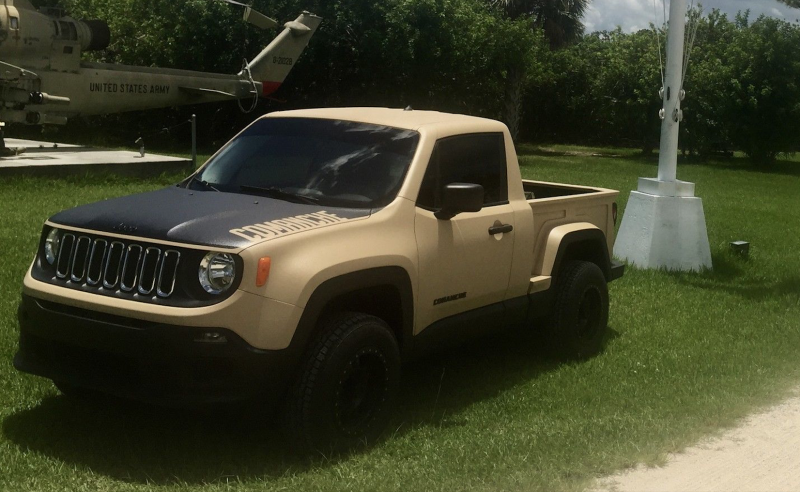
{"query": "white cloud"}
(633, 15)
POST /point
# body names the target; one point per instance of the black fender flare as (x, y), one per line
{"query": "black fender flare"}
(598, 253)
(392, 276)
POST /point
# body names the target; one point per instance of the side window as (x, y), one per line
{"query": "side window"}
(14, 23)
(478, 158)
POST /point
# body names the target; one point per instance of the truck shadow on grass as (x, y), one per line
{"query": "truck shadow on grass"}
(151, 445)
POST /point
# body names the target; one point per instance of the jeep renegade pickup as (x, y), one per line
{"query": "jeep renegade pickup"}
(307, 260)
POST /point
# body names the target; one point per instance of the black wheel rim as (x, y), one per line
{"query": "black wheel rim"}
(589, 312)
(362, 390)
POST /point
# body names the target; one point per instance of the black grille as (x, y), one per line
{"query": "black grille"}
(117, 266)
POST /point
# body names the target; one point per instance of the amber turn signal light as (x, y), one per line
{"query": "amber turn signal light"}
(263, 271)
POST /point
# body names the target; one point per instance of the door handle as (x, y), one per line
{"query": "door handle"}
(500, 229)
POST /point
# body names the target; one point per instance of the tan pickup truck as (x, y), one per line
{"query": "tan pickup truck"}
(307, 260)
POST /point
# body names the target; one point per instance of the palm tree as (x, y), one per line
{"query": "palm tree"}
(561, 22)
(560, 19)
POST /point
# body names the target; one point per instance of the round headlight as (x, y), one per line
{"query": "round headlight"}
(51, 244)
(217, 272)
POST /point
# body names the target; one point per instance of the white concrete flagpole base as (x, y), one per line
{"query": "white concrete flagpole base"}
(664, 226)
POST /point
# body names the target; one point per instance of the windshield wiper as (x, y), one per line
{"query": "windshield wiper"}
(279, 194)
(206, 184)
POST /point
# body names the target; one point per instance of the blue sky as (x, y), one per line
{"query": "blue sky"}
(633, 15)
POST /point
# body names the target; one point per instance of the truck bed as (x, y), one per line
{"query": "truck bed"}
(537, 190)
(556, 204)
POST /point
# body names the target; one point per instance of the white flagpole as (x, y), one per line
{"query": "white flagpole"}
(664, 225)
(668, 156)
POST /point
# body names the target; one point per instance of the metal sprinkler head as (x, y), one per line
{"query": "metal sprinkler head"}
(742, 248)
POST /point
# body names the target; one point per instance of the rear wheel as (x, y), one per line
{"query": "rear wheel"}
(347, 384)
(579, 322)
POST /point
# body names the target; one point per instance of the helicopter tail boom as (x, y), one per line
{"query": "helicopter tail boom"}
(273, 64)
(49, 89)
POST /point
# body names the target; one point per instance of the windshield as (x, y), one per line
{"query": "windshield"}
(330, 162)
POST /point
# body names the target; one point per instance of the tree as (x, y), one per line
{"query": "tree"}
(437, 54)
(745, 89)
(603, 89)
(626, 89)
(791, 3)
(708, 81)
(559, 20)
(764, 108)
(478, 57)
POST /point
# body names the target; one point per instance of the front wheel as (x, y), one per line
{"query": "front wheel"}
(579, 322)
(347, 384)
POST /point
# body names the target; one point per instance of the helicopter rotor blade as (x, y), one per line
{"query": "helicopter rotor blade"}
(253, 16)
(258, 19)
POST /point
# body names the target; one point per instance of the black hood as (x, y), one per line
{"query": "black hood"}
(199, 217)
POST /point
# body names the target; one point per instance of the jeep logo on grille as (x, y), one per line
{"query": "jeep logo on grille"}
(127, 229)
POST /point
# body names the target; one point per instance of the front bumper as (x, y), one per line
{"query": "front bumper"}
(144, 360)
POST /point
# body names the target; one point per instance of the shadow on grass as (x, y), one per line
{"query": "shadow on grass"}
(145, 444)
(729, 276)
(780, 167)
(538, 151)
(728, 163)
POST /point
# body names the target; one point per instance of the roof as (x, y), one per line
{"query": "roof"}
(398, 118)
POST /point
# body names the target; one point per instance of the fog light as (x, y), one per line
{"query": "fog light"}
(211, 337)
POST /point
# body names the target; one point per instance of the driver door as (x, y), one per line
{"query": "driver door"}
(462, 266)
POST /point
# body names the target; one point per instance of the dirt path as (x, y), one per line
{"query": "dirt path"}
(761, 455)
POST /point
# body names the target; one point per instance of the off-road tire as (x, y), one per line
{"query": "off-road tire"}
(579, 322)
(345, 390)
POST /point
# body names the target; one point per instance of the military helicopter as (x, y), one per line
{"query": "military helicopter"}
(43, 80)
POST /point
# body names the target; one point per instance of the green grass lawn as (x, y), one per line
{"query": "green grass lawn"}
(689, 354)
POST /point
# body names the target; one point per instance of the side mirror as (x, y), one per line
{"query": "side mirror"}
(460, 197)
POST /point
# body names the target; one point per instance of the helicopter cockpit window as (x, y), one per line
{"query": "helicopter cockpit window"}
(14, 22)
